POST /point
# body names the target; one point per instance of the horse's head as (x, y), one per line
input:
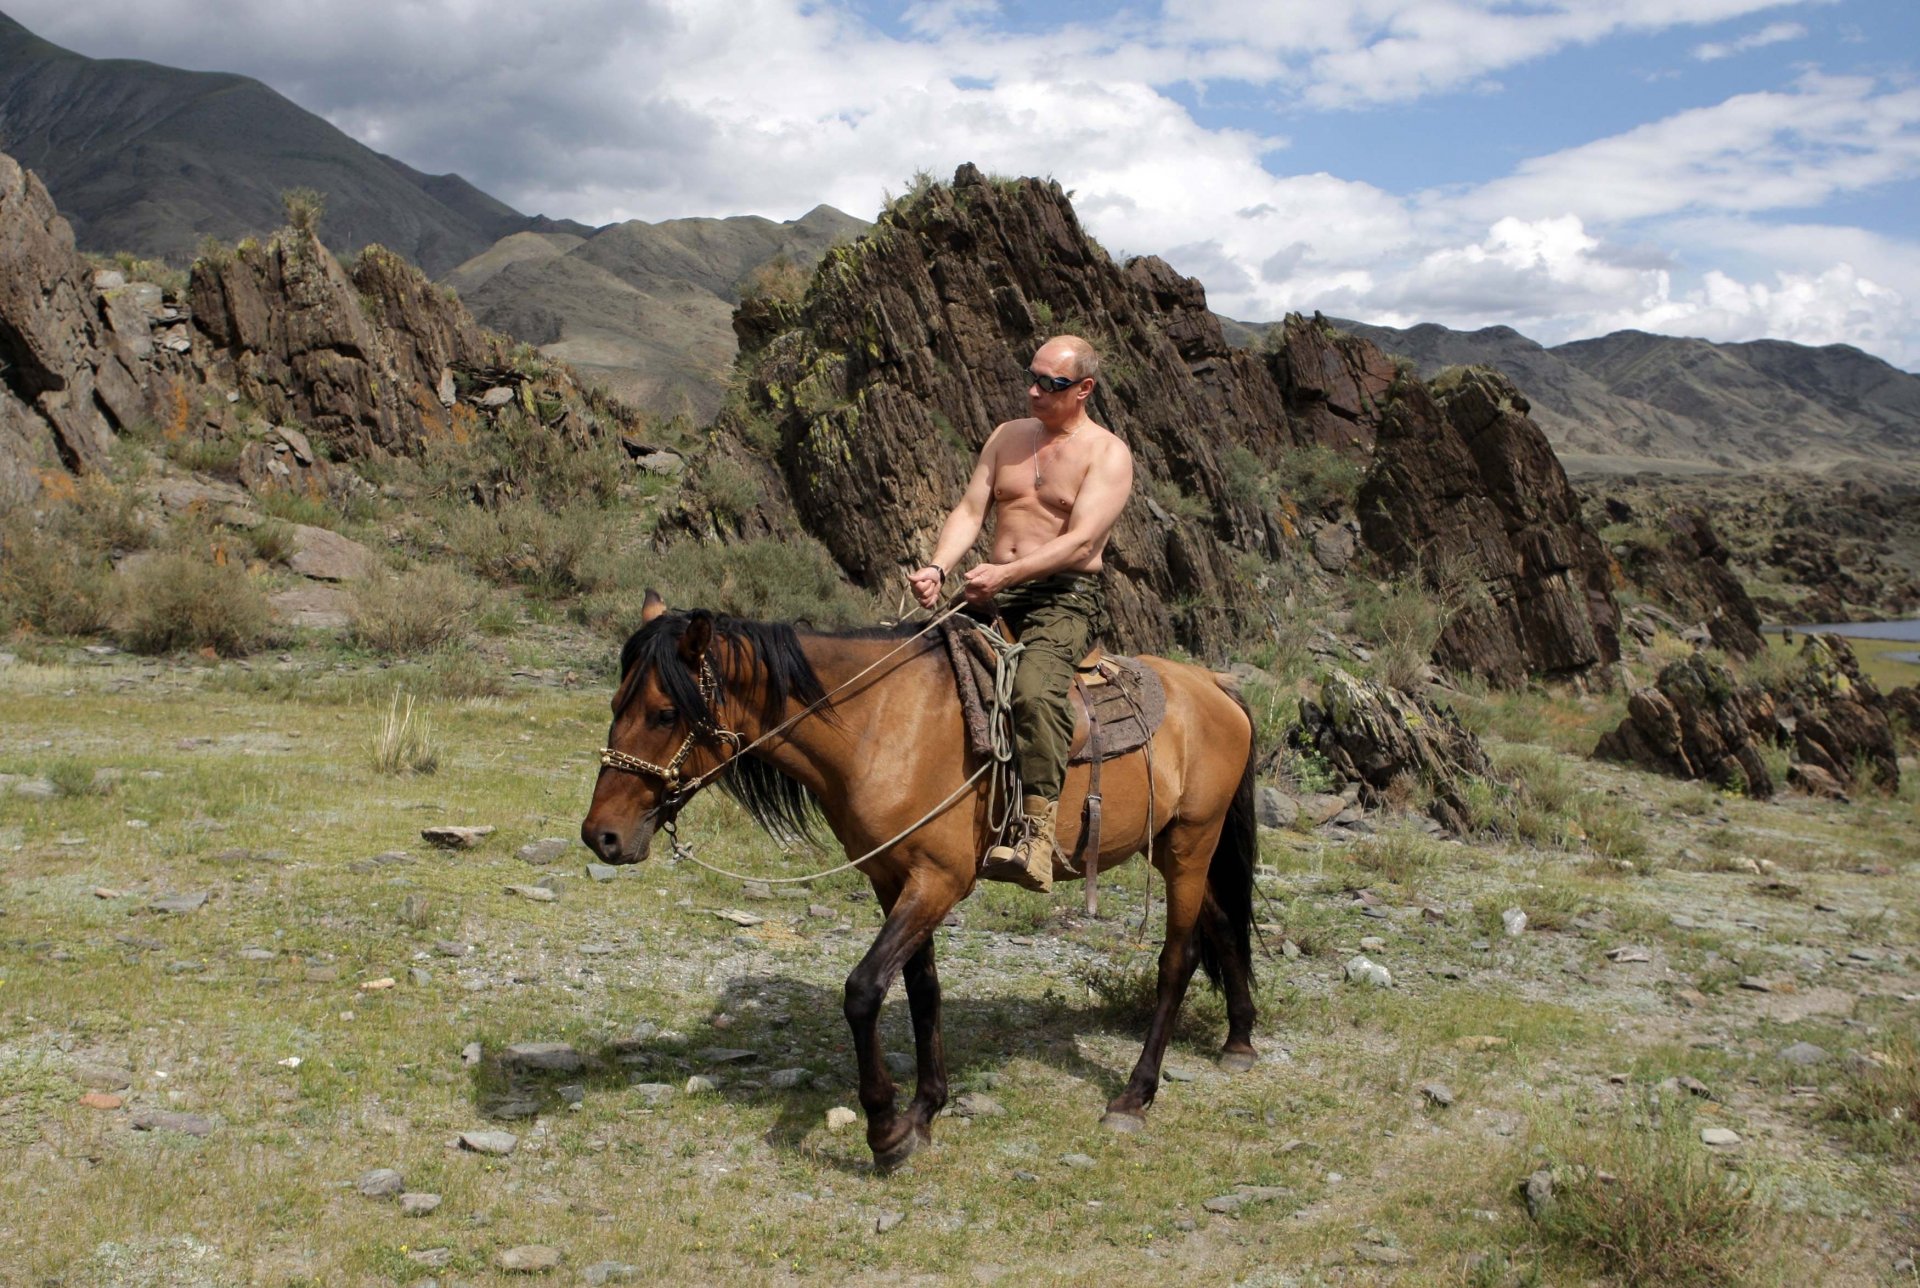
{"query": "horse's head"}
(667, 732)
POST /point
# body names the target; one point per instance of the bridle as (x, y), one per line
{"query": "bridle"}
(678, 791)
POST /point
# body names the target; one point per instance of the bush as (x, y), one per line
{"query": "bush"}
(1319, 478)
(182, 600)
(1648, 1205)
(514, 457)
(412, 612)
(1877, 1103)
(523, 543)
(303, 207)
(1403, 622)
(1396, 854)
(49, 584)
(789, 580)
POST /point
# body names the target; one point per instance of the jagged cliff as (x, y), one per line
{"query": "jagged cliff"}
(863, 405)
(274, 343)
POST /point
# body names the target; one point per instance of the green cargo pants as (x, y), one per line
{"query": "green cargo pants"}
(1056, 619)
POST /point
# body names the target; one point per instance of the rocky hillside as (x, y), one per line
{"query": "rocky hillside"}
(1636, 401)
(153, 159)
(646, 309)
(865, 402)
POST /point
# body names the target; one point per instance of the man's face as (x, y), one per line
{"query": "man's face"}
(1050, 402)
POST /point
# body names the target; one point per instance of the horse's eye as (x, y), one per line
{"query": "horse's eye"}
(664, 718)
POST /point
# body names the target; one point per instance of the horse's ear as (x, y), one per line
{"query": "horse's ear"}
(693, 644)
(652, 606)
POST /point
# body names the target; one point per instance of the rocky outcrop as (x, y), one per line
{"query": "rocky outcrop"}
(1837, 721)
(1684, 568)
(67, 381)
(1388, 741)
(1466, 493)
(361, 360)
(1698, 721)
(865, 403)
(875, 393)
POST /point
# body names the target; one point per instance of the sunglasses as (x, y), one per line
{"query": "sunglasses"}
(1052, 384)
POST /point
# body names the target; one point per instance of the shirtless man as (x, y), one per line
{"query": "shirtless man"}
(1056, 483)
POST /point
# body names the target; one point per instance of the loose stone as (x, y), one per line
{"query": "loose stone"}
(840, 1116)
(529, 1259)
(497, 1143)
(1719, 1136)
(380, 1183)
(418, 1204)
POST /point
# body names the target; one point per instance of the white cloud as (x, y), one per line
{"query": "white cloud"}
(1773, 33)
(1752, 152)
(605, 109)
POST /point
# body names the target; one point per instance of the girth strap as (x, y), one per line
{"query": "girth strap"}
(1086, 855)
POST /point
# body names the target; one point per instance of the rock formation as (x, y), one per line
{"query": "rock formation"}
(1698, 721)
(67, 380)
(864, 405)
(1465, 492)
(1684, 569)
(1383, 739)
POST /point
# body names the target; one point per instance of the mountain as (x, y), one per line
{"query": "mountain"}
(645, 308)
(151, 159)
(1633, 400)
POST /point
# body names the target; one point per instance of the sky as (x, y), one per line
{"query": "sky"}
(1730, 169)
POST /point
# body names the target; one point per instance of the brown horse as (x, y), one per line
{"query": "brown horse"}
(872, 748)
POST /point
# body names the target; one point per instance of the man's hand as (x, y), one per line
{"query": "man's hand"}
(983, 582)
(926, 585)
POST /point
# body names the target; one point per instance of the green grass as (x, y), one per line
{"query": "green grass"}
(1042, 1012)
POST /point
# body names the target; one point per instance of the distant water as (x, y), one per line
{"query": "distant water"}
(1905, 629)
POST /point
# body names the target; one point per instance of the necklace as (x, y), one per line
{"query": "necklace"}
(1038, 429)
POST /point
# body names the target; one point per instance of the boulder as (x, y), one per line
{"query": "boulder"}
(1377, 737)
(325, 555)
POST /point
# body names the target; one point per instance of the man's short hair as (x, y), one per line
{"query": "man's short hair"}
(1086, 361)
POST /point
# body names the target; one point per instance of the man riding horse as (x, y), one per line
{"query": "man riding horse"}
(1055, 483)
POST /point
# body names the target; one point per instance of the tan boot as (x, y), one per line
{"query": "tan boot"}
(1028, 864)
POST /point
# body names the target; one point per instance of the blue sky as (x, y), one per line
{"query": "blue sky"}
(1725, 168)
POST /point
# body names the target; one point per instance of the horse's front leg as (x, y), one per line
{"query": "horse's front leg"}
(930, 1056)
(905, 936)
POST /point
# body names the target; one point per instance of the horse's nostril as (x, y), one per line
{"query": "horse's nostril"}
(608, 845)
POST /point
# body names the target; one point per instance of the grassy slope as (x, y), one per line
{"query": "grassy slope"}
(747, 1185)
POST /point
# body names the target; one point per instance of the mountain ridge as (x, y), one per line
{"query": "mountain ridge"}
(151, 159)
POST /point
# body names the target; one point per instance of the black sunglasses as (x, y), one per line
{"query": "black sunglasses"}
(1053, 384)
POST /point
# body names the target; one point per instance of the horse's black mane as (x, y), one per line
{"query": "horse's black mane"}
(770, 650)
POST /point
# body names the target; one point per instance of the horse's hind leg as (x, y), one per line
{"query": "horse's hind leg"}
(1186, 893)
(1236, 972)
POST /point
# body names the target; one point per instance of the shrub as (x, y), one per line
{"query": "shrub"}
(1319, 478)
(303, 207)
(412, 612)
(1877, 1103)
(49, 584)
(1397, 854)
(272, 540)
(523, 543)
(779, 279)
(514, 457)
(182, 600)
(782, 580)
(1646, 1204)
(403, 742)
(728, 487)
(1403, 621)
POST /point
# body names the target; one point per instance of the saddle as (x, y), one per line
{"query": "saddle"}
(1118, 702)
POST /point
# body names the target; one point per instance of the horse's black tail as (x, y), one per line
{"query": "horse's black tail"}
(1230, 882)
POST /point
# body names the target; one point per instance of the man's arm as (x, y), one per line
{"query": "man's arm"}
(961, 529)
(1096, 509)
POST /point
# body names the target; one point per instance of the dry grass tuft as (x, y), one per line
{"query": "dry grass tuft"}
(1649, 1205)
(404, 744)
(181, 600)
(413, 612)
(1877, 1104)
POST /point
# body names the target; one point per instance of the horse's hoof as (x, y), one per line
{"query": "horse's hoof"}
(886, 1160)
(1238, 1061)
(1125, 1124)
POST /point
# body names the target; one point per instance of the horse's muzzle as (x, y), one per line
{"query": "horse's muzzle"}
(609, 846)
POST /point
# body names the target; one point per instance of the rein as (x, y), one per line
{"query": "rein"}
(679, 791)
